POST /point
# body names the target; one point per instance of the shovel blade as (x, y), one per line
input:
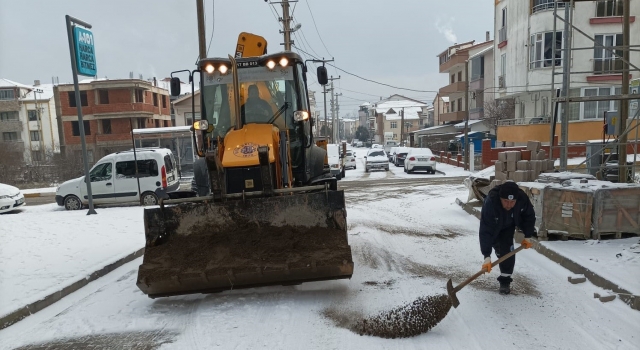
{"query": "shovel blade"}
(452, 294)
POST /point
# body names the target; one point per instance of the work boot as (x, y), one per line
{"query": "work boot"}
(505, 287)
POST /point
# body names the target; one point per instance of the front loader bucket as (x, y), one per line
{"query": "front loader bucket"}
(208, 247)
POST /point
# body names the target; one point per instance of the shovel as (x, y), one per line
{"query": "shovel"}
(452, 291)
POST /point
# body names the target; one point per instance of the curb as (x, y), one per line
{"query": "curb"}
(632, 300)
(39, 194)
(50, 299)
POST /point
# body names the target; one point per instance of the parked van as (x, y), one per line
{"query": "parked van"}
(113, 179)
(388, 144)
(336, 163)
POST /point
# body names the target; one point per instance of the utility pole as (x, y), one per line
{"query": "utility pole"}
(324, 93)
(466, 119)
(624, 104)
(332, 114)
(566, 61)
(202, 39)
(286, 21)
(336, 132)
(402, 127)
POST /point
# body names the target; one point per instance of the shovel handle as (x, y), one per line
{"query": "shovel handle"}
(479, 273)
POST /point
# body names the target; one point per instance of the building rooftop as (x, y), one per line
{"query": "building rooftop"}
(10, 83)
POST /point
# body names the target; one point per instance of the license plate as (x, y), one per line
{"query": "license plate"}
(422, 159)
(19, 201)
(170, 179)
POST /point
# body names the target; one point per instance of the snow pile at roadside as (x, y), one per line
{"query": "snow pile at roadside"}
(45, 248)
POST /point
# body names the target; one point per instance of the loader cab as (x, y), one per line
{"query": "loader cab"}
(272, 90)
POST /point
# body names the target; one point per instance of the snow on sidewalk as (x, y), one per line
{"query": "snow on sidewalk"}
(45, 248)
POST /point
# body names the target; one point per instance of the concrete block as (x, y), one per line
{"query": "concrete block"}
(500, 165)
(501, 175)
(502, 156)
(542, 155)
(510, 175)
(533, 176)
(511, 166)
(495, 183)
(543, 165)
(521, 176)
(522, 165)
(525, 155)
(551, 164)
(605, 297)
(575, 279)
(513, 156)
(534, 146)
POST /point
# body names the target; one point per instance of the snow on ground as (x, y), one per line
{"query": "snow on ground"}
(617, 259)
(45, 248)
(406, 242)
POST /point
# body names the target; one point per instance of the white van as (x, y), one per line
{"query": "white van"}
(335, 162)
(388, 144)
(113, 179)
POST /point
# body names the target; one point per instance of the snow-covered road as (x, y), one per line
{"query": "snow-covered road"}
(407, 241)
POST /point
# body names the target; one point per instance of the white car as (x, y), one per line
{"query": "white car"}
(113, 179)
(376, 145)
(420, 159)
(376, 158)
(10, 198)
(350, 160)
(335, 161)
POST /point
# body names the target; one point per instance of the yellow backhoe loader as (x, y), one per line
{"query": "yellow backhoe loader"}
(265, 209)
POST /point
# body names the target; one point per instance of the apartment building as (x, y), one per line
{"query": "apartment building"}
(110, 108)
(28, 126)
(453, 62)
(524, 60)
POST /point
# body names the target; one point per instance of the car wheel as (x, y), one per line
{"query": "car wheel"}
(72, 203)
(366, 170)
(342, 174)
(405, 169)
(148, 198)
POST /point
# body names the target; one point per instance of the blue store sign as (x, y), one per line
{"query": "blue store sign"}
(85, 52)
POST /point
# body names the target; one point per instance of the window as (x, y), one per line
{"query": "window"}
(106, 126)
(189, 118)
(502, 78)
(8, 116)
(605, 62)
(596, 109)
(609, 8)
(36, 156)
(101, 172)
(7, 94)
(103, 97)
(394, 125)
(83, 99)
(477, 68)
(502, 32)
(541, 5)
(33, 115)
(35, 135)
(459, 76)
(541, 50)
(10, 136)
(146, 168)
(138, 96)
(75, 126)
(155, 99)
(142, 123)
(168, 163)
(453, 78)
(459, 104)
(164, 101)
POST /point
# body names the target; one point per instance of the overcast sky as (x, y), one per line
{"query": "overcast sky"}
(393, 42)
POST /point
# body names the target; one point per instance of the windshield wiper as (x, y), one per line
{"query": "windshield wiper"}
(279, 113)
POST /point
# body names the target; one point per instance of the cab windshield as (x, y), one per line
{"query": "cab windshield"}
(266, 97)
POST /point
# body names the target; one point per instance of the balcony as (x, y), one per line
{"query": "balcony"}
(11, 125)
(477, 84)
(453, 88)
(456, 59)
(502, 82)
(476, 113)
(453, 116)
(607, 66)
(502, 36)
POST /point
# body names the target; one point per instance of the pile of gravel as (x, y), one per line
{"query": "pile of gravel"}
(407, 321)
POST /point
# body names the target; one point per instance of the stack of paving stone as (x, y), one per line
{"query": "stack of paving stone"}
(523, 165)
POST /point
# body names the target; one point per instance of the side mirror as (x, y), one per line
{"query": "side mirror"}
(175, 86)
(365, 157)
(323, 78)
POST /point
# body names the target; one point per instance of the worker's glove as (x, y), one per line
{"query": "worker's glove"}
(487, 264)
(526, 244)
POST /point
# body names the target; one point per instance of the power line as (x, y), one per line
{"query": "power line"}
(316, 26)
(213, 23)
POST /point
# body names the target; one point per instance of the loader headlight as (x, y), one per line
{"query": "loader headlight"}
(223, 69)
(284, 61)
(271, 64)
(300, 116)
(202, 125)
(209, 68)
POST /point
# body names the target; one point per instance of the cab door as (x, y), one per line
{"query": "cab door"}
(102, 187)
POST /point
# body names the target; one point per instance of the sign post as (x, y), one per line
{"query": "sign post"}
(83, 61)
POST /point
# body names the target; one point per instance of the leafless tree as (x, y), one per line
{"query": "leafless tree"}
(497, 110)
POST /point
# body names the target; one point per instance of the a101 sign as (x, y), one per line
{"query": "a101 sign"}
(85, 52)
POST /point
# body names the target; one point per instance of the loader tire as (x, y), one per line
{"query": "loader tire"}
(201, 177)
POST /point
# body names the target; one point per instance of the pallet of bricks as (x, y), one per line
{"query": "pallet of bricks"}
(616, 210)
(522, 165)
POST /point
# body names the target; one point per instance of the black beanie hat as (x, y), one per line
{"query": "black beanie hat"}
(508, 190)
